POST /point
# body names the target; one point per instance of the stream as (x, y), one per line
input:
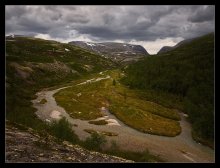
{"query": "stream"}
(181, 148)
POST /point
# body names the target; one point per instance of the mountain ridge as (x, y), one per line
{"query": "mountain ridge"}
(119, 52)
(165, 49)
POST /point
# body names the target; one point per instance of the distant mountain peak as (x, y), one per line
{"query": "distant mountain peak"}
(119, 52)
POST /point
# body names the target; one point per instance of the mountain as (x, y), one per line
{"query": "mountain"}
(165, 49)
(118, 52)
(169, 48)
(11, 36)
(186, 72)
(33, 64)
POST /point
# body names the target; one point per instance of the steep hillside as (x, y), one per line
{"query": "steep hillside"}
(187, 72)
(118, 52)
(169, 48)
(165, 49)
(33, 64)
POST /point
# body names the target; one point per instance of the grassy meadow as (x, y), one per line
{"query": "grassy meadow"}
(84, 102)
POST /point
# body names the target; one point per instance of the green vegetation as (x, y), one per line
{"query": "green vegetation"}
(63, 130)
(186, 73)
(98, 122)
(106, 133)
(33, 64)
(114, 82)
(43, 101)
(90, 131)
(145, 121)
(123, 102)
(45, 51)
(144, 156)
(95, 142)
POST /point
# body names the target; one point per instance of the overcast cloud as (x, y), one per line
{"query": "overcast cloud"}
(150, 26)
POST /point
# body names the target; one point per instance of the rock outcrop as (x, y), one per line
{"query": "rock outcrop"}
(28, 146)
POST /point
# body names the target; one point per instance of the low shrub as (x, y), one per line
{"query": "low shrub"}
(95, 142)
(62, 130)
(99, 122)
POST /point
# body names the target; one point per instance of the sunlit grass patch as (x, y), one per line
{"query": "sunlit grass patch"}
(85, 101)
(145, 121)
(81, 105)
(131, 97)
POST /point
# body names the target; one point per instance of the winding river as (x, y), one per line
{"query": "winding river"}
(181, 148)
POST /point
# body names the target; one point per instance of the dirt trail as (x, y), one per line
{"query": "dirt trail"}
(181, 148)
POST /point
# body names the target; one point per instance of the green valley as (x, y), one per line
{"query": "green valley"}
(107, 102)
(84, 101)
(33, 64)
(186, 72)
(109, 83)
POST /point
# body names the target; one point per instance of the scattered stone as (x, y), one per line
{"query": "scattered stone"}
(55, 114)
(74, 100)
(78, 95)
(113, 122)
(185, 115)
(47, 120)
(21, 146)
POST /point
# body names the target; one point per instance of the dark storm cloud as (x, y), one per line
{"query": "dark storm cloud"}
(144, 23)
(204, 13)
(77, 18)
(15, 11)
(107, 18)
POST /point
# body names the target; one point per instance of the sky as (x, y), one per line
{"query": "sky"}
(152, 26)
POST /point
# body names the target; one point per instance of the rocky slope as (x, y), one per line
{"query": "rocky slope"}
(28, 146)
(119, 52)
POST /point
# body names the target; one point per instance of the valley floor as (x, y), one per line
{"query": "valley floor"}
(179, 148)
